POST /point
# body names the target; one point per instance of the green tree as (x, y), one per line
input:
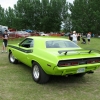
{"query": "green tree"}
(85, 15)
(9, 17)
(2, 16)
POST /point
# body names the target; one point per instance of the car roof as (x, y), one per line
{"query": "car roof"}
(47, 38)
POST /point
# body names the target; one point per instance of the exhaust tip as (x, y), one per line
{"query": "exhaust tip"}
(90, 72)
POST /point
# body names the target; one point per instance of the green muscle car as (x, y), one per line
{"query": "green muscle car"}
(53, 56)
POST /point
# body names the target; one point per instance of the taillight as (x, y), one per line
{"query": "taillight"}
(93, 61)
(89, 62)
(65, 64)
(74, 63)
(68, 64)
(97, 61)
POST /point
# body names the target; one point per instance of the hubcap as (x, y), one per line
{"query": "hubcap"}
(36, 72)
(12, 59)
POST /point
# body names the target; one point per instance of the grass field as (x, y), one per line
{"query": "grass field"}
(16, 82)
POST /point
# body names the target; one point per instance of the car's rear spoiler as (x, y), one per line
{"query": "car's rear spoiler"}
(83, 51)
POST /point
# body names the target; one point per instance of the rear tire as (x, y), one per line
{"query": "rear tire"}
(38, 74)
(12, 58)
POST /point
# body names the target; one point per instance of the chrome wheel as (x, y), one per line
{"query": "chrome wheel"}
(12, 59)
(36, 72)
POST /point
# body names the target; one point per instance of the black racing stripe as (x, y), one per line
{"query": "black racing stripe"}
(20, 49)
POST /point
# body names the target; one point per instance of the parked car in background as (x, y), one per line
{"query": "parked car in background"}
(29, 31)
(12, 30)
(35, 34)
(56, 34)
(43, 34)
(53, 56)
(99, 36)
(21, 34)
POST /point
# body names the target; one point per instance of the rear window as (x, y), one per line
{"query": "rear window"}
(61, 44)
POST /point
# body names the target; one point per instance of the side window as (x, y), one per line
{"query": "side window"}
(32, 43)
(27, 43)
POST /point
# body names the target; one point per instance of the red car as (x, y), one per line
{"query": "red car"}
(21, 34)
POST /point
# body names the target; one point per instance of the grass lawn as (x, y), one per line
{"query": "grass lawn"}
(16, 82)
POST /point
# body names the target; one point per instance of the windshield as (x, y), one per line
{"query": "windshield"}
(61, 44)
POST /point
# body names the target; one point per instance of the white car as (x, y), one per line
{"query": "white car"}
(43, 34)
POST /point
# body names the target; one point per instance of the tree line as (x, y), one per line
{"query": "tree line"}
(53, 15)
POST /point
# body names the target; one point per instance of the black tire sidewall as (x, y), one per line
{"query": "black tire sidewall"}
(15, 61)
(43, 77)
(36, 80)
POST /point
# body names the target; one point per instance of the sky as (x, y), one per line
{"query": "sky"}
(10, 3)
(71, 1)
(6, 3)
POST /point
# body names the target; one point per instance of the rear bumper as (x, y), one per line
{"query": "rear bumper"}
(75, 69)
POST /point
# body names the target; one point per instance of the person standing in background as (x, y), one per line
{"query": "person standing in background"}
(5, 37)
(89, 37)
(74, 37)
(70, 36)
(78, 37)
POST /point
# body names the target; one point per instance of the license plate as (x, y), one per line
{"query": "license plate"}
(81, 70)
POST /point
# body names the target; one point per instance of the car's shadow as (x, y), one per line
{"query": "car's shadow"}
(71, 79)
(68, 79)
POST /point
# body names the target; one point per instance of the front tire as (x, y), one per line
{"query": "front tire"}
(12, 58)
(38, 74)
